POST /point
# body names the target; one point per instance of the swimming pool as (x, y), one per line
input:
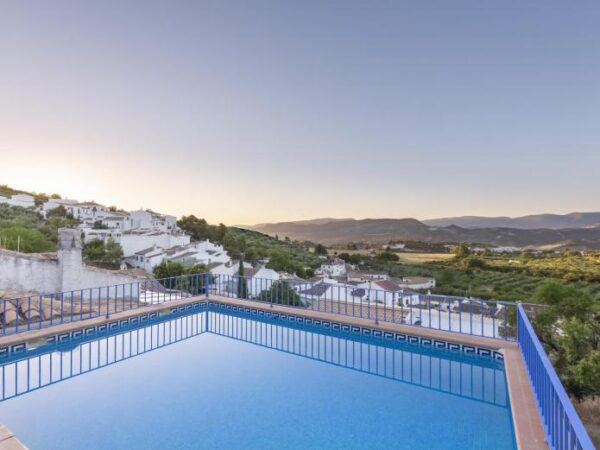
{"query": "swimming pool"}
(213, 379)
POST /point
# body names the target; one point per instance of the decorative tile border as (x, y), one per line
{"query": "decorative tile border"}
(365, 331)
(104, 327)
(272, 315)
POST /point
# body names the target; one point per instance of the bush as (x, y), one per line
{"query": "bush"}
(280, 293)
(26, 240)
(104, 254)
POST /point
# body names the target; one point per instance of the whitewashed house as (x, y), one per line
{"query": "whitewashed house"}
(91, 234)
(116, 221)
(417, 282)
(230, 268)
(54, 203)
(366, 275)
(335, 268)
(147, 259)
(88, 212)
(133, 241)
(204, 252)
(149, 220)
(259, 279)
(22, 200)
(388, 293)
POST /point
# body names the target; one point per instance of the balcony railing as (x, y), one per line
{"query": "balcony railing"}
(44, 310)
(493, 319)
(563, 426)
(486, 318)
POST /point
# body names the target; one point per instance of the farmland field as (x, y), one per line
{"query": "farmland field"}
(417, 258)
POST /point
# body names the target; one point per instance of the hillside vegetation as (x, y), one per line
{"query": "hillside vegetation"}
(506, 277)
(23, 228)
(253, 246)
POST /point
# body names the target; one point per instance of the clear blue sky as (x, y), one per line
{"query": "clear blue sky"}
(254, 111)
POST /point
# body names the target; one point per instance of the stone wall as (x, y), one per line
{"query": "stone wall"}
(29, 272)
(56, 272)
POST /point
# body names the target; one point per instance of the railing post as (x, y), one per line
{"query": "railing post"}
(17, 323)
(108, 302)
(206, 284)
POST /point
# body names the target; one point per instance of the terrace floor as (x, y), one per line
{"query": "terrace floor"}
(529, 431)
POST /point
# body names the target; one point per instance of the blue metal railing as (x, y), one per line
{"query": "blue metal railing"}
(563, 426)
(44, 310)
(493, 319)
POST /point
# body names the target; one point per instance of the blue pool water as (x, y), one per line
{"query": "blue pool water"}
(211, 380)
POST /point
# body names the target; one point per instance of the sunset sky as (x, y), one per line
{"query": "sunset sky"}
(252, 111)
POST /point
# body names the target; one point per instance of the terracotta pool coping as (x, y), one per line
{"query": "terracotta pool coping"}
(8, 441)
(528, 427)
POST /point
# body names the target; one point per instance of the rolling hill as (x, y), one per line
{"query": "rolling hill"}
(379, 231)
(535, 221)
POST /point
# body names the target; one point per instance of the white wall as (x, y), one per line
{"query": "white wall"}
(22, 200)
(63, 272)
(23, 272)
(132, 243)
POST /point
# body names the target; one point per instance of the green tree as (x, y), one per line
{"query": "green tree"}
(104, 254)
(113, 252)
(462, 250)
(168, 269)
(94, 250)
(52, 224)
(197, 268)
(471, 262)
(387, 257)
(345, 256)
(25, 240)
(198, 229)
(280, 292)
(59, 211)
(280, 260)
(242, 285)
(356, 259)
(569, 327)
(320, 249)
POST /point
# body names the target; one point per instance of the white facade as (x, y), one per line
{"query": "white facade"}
(87, 212)
(336, 268)
(116, 221)
(260, 279)
(54, 203)
(90, 234)
(147, 259)
(417, 282)
(145, 219)
(135, 240)
(51, 273)
(229, 269)
(204, 252)
(257, 279)
(361, 276)
(22, 200)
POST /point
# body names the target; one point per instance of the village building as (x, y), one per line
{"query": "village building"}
(22, 200)
(335, 268)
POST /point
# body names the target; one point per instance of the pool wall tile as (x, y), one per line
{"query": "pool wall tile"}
(325, 324)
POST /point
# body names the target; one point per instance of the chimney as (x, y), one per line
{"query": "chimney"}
(69, 257)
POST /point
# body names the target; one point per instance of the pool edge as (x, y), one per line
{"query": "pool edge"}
(527, 425)
(8, 441)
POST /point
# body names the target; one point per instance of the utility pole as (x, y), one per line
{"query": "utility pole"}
(18, 243)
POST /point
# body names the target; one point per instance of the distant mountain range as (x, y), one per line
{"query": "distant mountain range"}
(380, 231)
(536, 221)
